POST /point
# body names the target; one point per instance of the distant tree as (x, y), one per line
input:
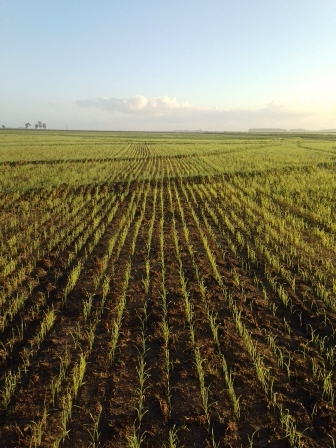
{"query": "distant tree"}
(39, 123)
(36, 126)
(44, 125)
(27, 124)
(3, 126)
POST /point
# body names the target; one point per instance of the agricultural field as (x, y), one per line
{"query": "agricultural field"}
(167, 290)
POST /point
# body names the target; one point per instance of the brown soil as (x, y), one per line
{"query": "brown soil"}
(110, 388)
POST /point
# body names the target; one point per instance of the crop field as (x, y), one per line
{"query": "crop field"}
(167, 290)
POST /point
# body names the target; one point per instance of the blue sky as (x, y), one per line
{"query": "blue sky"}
(165, 65)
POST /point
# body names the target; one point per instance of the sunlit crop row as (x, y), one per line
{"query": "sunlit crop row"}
(161, 266)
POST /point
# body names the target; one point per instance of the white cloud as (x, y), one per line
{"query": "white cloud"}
(165, 113)
(161, 106)
(135, 105)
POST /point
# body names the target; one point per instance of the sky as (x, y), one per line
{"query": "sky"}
(164, 65)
